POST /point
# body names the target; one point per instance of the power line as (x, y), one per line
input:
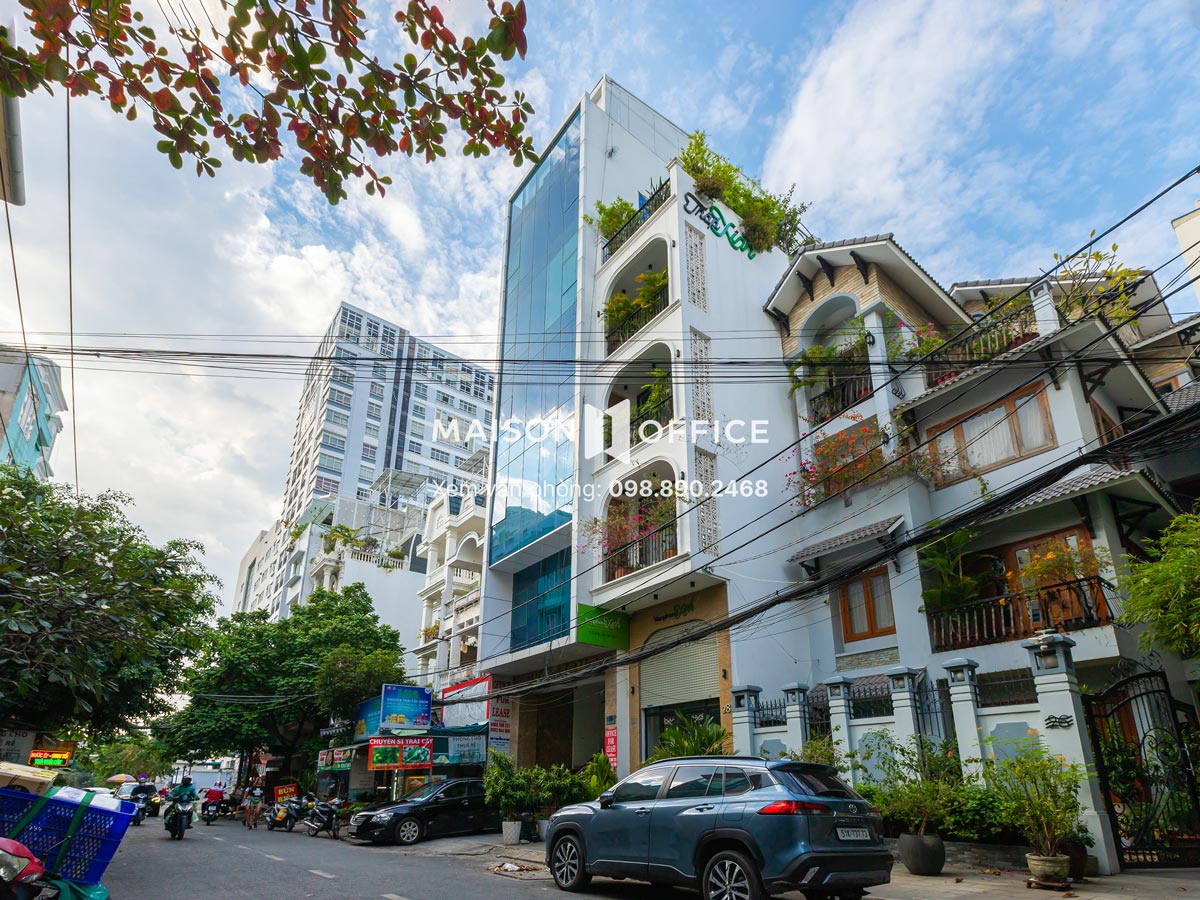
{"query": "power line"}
(71, 304)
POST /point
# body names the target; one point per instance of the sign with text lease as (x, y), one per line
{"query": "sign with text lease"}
(390, 753)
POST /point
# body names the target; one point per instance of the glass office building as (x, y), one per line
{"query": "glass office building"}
(535, 470)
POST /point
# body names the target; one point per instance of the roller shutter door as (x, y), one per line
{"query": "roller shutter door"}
(683, 674)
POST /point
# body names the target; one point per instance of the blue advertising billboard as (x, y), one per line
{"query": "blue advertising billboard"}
(405, 706)
(366, 724)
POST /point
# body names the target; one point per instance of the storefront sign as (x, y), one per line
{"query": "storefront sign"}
(678, 611)
(335, 760)
(15, 746)
(603, 628)
(500, 725)
(474, 712)
(715, 220)
(50, 759)
(390, 753)
(405, 706)
(285, 792)
(466, 749)
(366, 723)
(610, 745)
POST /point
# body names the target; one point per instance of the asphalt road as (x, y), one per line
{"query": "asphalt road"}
(226, 860)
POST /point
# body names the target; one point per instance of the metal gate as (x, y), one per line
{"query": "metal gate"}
(1144, 765)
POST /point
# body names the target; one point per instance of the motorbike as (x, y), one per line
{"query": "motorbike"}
(211, 811)
(178, 817)
(325, 817)
(285, 815)
(153, 805)
(22, 876)
(139, 813)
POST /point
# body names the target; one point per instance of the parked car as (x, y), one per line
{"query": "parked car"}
(736, 828)
(431, 810)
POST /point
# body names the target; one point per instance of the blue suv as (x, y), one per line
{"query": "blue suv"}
(737, 828)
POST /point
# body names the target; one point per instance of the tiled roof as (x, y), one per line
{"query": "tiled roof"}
(1185, 396)
(988, 282)
(1089, 481)
(1192, 320)
(866, 532)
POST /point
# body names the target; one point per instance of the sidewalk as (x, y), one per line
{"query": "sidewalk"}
(1143, 884)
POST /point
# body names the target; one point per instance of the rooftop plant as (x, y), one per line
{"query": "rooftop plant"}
(610, 217)
(768, 220)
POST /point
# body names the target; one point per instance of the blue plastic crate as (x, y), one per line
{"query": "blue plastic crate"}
(93, 846)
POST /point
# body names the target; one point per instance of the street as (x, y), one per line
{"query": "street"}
(226, 860)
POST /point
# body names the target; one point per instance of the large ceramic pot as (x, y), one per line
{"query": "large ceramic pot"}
(510, 833)
(1078, 855)
(923, 854)
(1048, 868)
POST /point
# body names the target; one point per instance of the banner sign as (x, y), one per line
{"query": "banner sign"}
(389, 753)
(50, 759)
(366, 723)
(405, 706)
(464, 750)
(473, 713)
(335, 760)
(610, 745)
(603, 628)
(285, 792)
(500, 724)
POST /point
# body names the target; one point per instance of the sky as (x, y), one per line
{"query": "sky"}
(986, 136)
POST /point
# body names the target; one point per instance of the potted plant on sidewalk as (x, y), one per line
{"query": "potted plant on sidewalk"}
(508, 790)
(555, 788)
(1041, 792)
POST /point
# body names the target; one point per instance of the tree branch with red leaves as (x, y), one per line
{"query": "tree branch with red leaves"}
(264, 78)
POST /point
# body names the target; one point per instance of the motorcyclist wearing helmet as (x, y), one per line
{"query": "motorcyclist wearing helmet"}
(184, 790)
(144, 788)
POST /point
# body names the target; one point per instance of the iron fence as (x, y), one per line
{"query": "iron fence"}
(655, 547)
(935, 716)
(631, 324)
(816, 716)
(1008, 687)
(634, 222)
(870, 700)
(771, 713)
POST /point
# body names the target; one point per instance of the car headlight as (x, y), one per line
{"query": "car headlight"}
(381, 817)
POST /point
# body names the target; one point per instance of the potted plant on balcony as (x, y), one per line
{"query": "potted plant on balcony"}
(649, 284)
(658, 392)
(610, 217)
(610, 536)
(616, 309)
(1041, 793)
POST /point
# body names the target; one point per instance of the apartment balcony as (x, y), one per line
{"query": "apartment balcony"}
(653, 203)
(658, 546)
(988, 340)
(654, 303)
(639, 292)
(840, 392)
(1020, 615)
(646, 384)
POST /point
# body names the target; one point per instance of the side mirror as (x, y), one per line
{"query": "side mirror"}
(606, 800)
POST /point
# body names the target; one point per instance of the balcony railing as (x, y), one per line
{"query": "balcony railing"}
(660, 412)
(634, 222)
(1069, 606)
(984, 344)
(653, 548)
(841, 394)
(638, 319)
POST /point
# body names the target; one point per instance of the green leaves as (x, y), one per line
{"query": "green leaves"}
(1163, 591)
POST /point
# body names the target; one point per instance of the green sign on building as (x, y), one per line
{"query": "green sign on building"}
(603, 628)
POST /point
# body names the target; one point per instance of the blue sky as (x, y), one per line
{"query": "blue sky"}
(986, 136)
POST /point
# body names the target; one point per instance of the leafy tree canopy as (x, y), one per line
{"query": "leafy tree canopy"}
(131, 754)
(96, 621)
(263, 684)
(1164, 590)
(258, 71)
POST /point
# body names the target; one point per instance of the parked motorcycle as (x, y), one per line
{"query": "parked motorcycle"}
(325, 817)
(288, 813)
(178, 817)
(22, 876)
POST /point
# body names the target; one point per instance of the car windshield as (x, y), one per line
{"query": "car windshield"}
(819, 782)
(424, 792)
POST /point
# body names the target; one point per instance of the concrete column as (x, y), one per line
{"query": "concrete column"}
(877, 355)
(1044, 311)
(963, 706)
(839, 711)
(745, 707)
(626, 710)
(1059, 701)
(796, 697)
(903, 680)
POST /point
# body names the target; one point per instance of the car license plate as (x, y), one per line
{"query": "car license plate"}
(854, 834)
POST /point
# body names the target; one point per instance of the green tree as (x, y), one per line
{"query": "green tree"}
(97, 622)
(347, 676)
(260, 685)
(257, 72)
(706, 738)
(131, 754)
(1163, 590)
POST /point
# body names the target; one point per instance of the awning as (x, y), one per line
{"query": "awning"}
(876, 530)
(336, 758)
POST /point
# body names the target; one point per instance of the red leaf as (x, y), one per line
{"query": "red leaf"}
(116, 93)
(163, 100)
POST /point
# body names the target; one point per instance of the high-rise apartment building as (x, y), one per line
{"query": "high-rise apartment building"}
(31, 398)
(384, 420)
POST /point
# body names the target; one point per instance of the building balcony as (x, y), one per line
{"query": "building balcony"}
(658, 546)
(653, 304)
(1020, 615)
(987, 342)
(839, 393)
(653, 203)
(638, 293)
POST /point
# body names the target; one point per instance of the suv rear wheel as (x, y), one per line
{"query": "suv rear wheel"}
(567, 865)
(730, 875)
